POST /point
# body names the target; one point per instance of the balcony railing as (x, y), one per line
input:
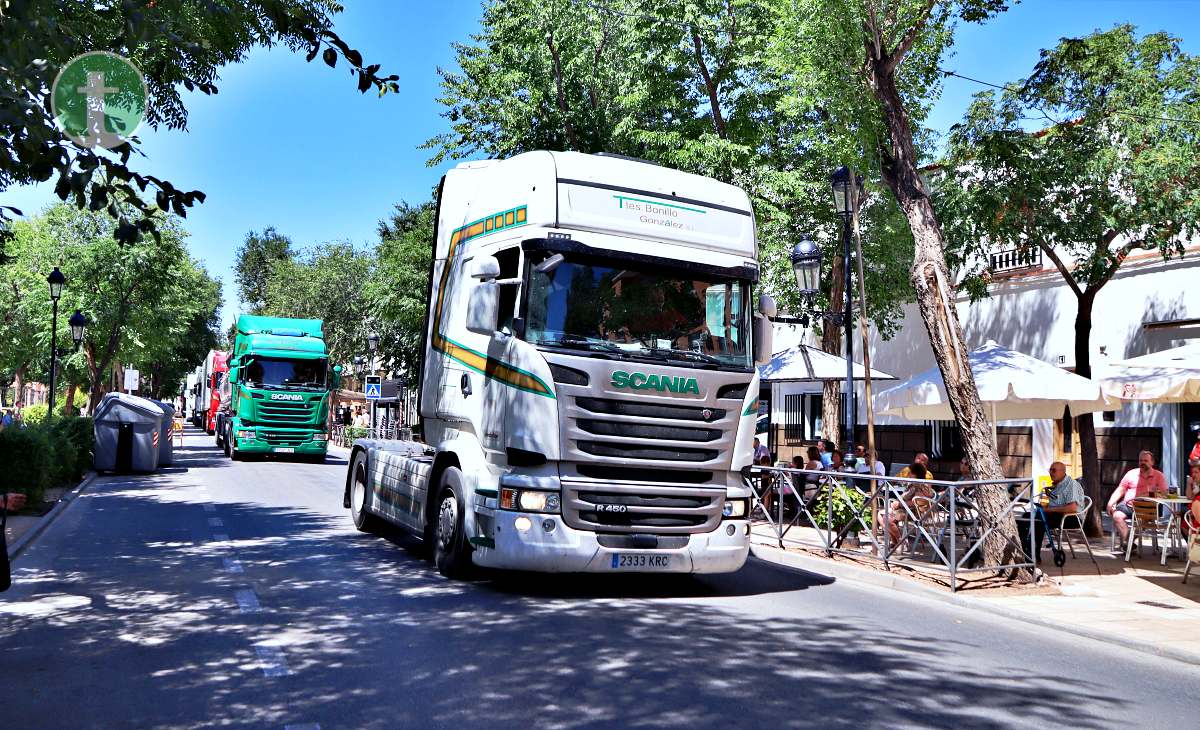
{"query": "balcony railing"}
(1016, 259)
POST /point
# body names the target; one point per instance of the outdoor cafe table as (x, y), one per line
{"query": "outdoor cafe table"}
(1174, 530)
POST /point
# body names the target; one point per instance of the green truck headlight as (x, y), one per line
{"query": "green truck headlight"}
(246, 435)
(318, 437)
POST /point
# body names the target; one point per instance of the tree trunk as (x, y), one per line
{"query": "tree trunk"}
(19, 387)
(69, 399)
(1085, 425)
(831, 342)
(710, 87)
(935, 300)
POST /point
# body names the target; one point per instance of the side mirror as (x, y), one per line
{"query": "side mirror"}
(764, 340)
(483, 308)
(234, 372)
(485, 268)
(766, 305)
(335, 377)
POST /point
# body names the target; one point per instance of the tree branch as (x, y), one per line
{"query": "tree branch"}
(709, 86)
(1062, 268)
(568, 128)
(906, 43)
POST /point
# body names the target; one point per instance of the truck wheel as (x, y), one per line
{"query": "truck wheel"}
(451, 554)
(227, 443)
(359, 491)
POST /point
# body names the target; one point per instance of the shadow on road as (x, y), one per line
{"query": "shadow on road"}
(136, 622)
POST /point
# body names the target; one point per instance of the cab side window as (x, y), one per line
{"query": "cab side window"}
(510, 267)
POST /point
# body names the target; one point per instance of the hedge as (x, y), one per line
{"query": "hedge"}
(48, 454)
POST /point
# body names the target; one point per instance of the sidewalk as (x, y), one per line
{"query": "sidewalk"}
(1140, 604)
(19, 529)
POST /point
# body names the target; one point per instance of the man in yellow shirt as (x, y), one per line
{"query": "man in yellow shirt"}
(922, 459)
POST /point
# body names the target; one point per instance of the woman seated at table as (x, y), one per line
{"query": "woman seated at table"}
(1193, 490)
(917, 470)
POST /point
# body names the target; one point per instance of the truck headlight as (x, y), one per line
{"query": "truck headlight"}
(246, 435)
(318, 437)
(529, 500)
(734, 508)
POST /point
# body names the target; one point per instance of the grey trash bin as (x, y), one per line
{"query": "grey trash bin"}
(166, 449)
(128, 430)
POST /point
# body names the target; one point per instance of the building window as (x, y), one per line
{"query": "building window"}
(793, 417)
(1110, 416)
(945, 441)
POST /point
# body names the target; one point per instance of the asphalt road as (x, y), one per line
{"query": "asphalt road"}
(239, 594)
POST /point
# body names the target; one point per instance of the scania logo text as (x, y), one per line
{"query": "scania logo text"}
(286, 396)
(661, 383)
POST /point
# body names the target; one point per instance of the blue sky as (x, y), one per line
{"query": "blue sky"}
(294, 145)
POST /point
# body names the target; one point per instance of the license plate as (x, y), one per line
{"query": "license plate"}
(640, 561)
(283, 450)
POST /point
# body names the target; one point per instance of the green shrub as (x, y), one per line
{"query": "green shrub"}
(72, 439)
(26, 454)
(35, 414)
(846, 503)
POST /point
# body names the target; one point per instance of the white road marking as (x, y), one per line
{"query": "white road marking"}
(247, 600)
(272, 661)
(303, 726)
(233, 565)
(210, 508)
(220, 537)
(215, 522)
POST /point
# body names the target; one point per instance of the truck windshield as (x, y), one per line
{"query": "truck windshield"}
(630, 310)
(270, 372)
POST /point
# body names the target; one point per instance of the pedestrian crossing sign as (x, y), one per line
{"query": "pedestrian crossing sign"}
(372, 387)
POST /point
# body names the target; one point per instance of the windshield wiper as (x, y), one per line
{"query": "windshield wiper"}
(691, 355)
(303, 384)
(575, 342)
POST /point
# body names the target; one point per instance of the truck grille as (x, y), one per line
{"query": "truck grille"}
(641, 508)
(657, 435)
(285, 413)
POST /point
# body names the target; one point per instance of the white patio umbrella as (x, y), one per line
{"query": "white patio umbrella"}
(1013, 386)
(802, 363)
(1169, 376)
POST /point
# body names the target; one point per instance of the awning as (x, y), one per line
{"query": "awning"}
(803, 363)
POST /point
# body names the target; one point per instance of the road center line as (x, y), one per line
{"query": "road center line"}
(247, 600)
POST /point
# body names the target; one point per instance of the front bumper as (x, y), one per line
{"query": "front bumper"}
(293, 441)
(563, 549)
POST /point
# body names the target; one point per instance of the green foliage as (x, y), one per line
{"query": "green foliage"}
(147, 303)
(177, 45)
(26, 454)
(1109, 175)
(399, 285)
(704, 86)
(846, 503)
(255, 257)
(45, 454)
(326, 282)
(35, 414)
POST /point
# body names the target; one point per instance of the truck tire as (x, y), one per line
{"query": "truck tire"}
(451, 553)
(360, 511)
(227, 443)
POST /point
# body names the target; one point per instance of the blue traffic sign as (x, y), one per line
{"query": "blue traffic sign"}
(372, 387)
(372, 391)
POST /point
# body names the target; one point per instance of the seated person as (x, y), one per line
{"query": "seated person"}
(1144, 481)
(1065, 497)
(860, 461)
(1194, 490)
(836, 462)
(909, 473)
(964, 470)
(823, 449)
(761, 451)
(915, 470)
(814, 459)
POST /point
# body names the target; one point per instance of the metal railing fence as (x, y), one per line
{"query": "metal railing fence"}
(944, 532)
(346, 435)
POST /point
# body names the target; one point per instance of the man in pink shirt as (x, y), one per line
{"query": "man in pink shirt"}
(1143, 481)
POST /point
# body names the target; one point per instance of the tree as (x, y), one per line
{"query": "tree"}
(255, 259)
(140, 299)
(1115, 176)
(399, 286)
(175, 44)
(872, 68)
(326, 282)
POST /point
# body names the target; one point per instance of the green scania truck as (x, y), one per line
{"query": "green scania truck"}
(275, 399)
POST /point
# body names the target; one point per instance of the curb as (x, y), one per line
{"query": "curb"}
(64, 502)
(899, 583)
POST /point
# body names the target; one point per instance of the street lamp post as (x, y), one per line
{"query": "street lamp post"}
(806, 266)
(56, 281)
(843, 201)
(372, 346)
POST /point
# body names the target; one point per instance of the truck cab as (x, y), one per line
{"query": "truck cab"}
(276, 400)
(589, 390)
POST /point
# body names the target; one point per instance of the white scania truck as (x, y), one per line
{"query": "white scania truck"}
(589, 392)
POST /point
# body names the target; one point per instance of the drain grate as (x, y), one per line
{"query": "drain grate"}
(1157, 604)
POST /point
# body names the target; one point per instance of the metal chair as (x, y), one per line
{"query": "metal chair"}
(1074, 523)
(1193, 545)
(1146, 521)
